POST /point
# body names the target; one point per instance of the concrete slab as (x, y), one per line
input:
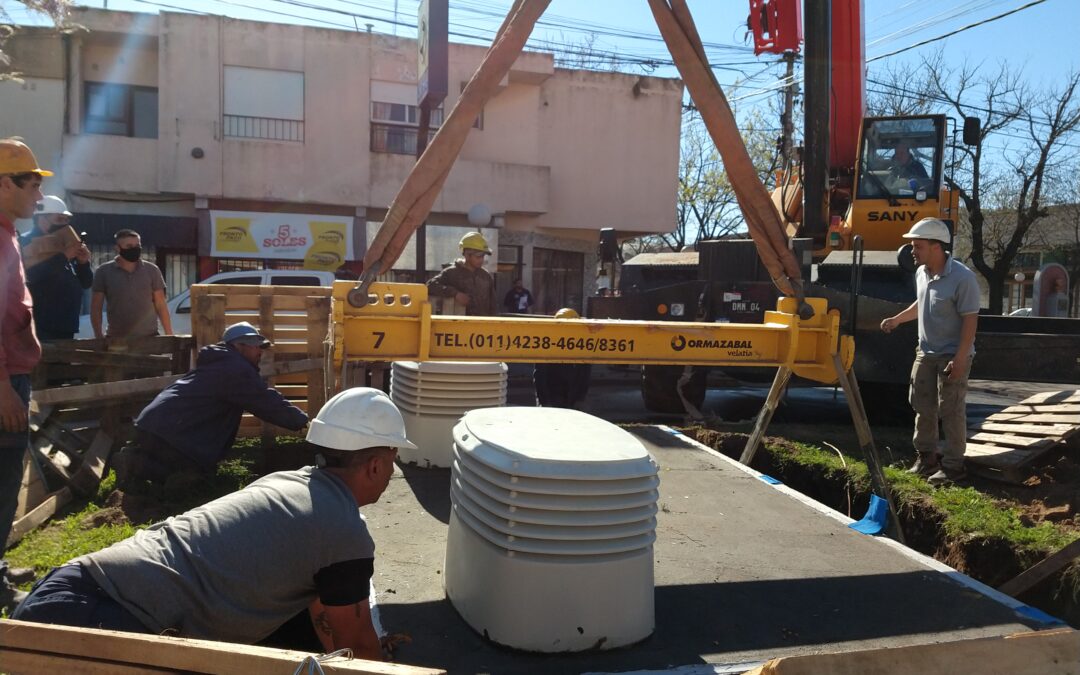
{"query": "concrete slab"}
(745, 571)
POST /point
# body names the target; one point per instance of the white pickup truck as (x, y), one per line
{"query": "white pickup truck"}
(180, 304)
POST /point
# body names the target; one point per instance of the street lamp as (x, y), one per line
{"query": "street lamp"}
(1019, 278)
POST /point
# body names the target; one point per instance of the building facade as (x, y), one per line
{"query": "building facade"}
(233, 144)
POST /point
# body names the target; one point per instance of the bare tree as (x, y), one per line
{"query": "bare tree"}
(1004, 201)
(706, 207)
(898, 90)
(56, 10)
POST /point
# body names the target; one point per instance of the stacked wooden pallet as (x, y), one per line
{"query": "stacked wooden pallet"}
(1007, 441)
(295, 318)
(85, 394)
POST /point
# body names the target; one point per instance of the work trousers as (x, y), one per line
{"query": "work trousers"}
(934, 397)
(13, 446)
(69, 596)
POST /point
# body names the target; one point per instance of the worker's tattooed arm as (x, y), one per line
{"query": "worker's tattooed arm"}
(322, 629)
(347, 626)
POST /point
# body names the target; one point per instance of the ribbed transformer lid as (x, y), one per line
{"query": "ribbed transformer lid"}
(451, 367)
(552, 443)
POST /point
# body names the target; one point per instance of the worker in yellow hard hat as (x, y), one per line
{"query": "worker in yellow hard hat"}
(562, 385)
(466, 280)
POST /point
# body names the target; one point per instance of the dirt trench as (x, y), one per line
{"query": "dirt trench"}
(1051, 494)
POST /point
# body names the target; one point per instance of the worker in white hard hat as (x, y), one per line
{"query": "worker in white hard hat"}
(59, 282)
(466, 280)
(947, 309)
(242, 567)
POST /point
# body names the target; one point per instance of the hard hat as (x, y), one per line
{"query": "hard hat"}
(567, 313)
(930, 228)
(476, 242)
(51, 204)
(16, 158)
(244, 333)
(359, 418)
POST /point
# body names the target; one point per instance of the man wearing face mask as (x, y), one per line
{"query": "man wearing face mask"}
(56, 283)
(134, 291)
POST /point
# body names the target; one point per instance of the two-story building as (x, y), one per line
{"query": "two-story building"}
(232, 144)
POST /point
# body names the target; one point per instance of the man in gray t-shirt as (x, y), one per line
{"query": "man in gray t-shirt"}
(947, 308)
(242, 566)
(133, 290)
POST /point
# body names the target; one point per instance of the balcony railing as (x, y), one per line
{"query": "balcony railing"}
(395, 139)
(267, 128)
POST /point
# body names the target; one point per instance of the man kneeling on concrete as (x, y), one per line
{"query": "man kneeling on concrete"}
(240, 567)
(192, 424)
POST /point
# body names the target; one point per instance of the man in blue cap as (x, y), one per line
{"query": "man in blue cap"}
(190, 425)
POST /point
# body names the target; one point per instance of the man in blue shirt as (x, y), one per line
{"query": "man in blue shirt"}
(947, 309)
(192, 424)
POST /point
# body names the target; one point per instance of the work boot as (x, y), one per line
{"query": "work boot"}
(926, 464)
(10, 597)
(20, 575)
(946, 476)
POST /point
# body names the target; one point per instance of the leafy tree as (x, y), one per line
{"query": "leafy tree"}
(56, 10)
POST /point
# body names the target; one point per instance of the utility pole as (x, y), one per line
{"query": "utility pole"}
(788, 124)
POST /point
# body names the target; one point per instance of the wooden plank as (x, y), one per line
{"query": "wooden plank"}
(104, 390)
(28, 662)
(88, 477)
(207, 318)
(53, 354)
(1071, 420)
(1041, 570)
(183, 654)
(1069, 396)
(32, 489)
(1043, 408)
(1056, 431)
(1051, 652)
(269, 330)
(318, 326)
(289, 367)
(250, 301)
(1012, 441)
(47, 509)
(242, 289)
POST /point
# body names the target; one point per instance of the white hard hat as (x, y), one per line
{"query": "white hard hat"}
(359, 418)
(930, 228)
(50, 204)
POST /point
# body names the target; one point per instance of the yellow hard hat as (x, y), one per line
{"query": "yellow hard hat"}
(16, 158)
(476, 242)
(567, 313)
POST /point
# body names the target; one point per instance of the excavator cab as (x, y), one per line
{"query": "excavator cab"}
(899, 180)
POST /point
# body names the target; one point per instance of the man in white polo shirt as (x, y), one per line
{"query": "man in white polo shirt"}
(947, 308)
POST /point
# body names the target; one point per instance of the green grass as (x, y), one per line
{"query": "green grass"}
(76, 534)
(48, 547)
(967, 513)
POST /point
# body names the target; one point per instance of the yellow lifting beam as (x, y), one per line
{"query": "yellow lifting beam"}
(397, 325)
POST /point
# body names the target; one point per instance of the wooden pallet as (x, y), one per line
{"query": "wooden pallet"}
(1007, 441)
(295, 318)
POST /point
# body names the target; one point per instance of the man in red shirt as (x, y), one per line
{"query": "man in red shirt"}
(20, 191)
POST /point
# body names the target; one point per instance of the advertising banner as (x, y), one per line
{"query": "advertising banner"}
(322, 242)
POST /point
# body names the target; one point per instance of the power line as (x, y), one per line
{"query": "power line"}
(958, 30)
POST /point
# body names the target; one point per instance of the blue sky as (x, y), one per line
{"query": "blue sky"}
(1040, 36)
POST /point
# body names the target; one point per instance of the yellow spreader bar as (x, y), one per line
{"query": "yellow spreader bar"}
(397, 325)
